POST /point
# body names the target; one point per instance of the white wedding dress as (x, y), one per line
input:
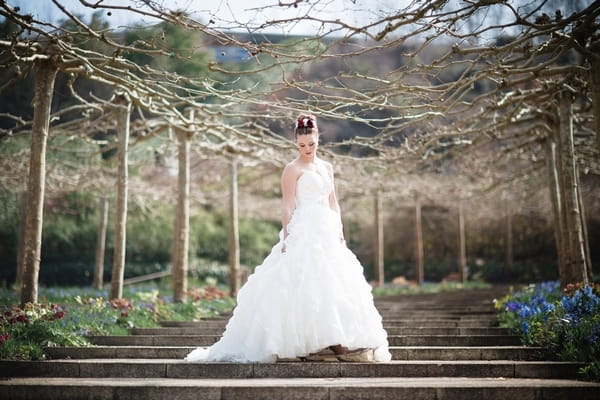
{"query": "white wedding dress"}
(312, 296)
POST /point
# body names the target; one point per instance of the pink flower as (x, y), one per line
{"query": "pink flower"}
(5, 337)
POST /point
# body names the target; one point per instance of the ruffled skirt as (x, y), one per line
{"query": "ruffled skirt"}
(312, 296)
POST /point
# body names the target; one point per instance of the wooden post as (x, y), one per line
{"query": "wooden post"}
(45, 76)
(462, 250)
(234, 232)
(123, 112)
(419, 242)
(182, 214)
(101, 245)
(379, 241)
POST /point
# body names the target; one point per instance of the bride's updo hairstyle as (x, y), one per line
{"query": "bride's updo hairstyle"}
(306, 124)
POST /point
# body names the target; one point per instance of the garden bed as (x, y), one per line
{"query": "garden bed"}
(66, 316)
(565, 324)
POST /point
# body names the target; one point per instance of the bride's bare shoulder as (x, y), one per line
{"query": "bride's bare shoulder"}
(291, 170)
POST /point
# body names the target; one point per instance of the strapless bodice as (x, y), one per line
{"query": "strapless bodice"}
(312, 188)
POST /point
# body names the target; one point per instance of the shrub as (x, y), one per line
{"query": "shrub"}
(520, 271)
(566, 326)
(24, 331)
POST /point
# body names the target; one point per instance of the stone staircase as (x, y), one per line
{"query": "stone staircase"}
(444, 346)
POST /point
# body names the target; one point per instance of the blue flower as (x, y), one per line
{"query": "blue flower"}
(527, 311)
(572, 318)
(568, 303)
(548, 307)
(594, 335)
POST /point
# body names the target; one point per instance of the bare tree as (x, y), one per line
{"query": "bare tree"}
(419, 255)
(45, 73)
(554, 185)
(576, 257)
(182, 213)
(509, 257)
(234, 232)
(379, 259)
(21, 240)
(122, 107)
(595, 88)
(462, 248)
(458, 97)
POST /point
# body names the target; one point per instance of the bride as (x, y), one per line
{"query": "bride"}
(309, 299)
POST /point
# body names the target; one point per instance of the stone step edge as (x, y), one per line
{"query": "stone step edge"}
(169, 368)
(92, 337)
(393, 340)
(467, 330)
(324, 389)
(440, 348)
(398, 352)
(374, 382)
(148, 361)
(420, 318)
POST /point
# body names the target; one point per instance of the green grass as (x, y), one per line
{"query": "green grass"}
(392, 290)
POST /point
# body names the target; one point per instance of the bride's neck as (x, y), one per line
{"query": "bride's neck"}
(308, 160)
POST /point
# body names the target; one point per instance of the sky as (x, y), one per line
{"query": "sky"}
(230, 13)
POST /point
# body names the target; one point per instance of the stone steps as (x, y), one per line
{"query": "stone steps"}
(444, 346)
(398, 353)
(168, 368)
(393, 323)
(390, 330)
(394, 340)
(425, 388)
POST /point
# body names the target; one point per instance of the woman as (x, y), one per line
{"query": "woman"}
(309, 299)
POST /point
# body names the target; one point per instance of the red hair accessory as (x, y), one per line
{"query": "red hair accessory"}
(304, 123)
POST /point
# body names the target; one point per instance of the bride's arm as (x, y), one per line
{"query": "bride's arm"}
(333, 202)
(288, 196)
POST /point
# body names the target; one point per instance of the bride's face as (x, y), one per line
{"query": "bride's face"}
(307, 144)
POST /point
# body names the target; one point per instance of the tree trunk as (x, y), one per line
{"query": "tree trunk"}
(379, 241)
(20, 242)
(554, 186)
(182, 216)
(45, 76)
(595, 89)
(509, 256)
(462, 251)
(123, 110)
(588, 254)
(234, 233)
(419, 242)
(175, 242)
(576, 257)
(101, 245)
